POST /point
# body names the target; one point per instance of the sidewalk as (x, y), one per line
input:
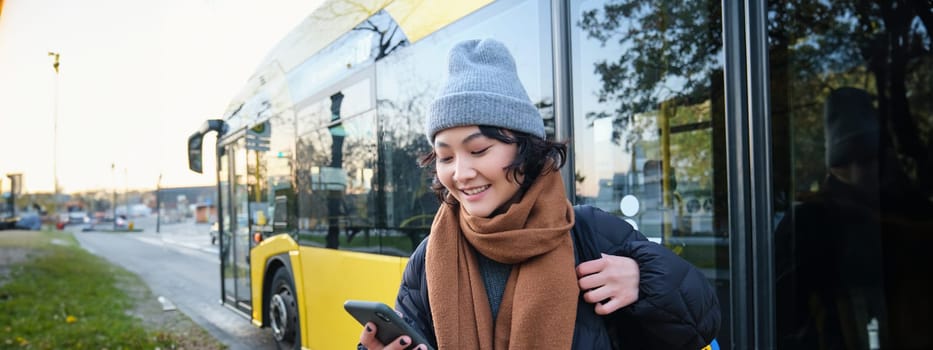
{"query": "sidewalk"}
(186, 233)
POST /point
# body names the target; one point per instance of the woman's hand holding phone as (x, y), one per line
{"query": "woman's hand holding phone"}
(368, 339)
(383, 328)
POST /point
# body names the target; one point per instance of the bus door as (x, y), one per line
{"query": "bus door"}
(235, 237)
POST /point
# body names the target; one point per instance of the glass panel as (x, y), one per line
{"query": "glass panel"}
(269, 152)
(408, 81)
(278, 163)
(234, 250)
(851, 90)
(337, 201)
(260, 208)
(354, 99)
(229, 290)
(240, 226)
(310, 155)
(321, 28)
(648, 122)
(371, 40)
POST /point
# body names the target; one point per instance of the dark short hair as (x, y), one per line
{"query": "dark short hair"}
(535, 157)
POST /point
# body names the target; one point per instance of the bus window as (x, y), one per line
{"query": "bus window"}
(279, 163)
(350, 53)
(337, 197)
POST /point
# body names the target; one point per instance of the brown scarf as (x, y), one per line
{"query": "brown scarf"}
(539, 304)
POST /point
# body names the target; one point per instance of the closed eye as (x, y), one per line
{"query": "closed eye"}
(476, 153)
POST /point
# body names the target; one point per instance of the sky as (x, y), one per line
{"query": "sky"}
(136, 78)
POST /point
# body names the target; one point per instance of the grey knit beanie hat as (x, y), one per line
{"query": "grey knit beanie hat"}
(482, 88)
(852, 126)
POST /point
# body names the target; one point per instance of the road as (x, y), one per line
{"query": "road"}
(181, 265)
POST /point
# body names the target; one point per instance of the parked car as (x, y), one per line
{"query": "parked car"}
(8, 222)
(78, 217)
(29, 221)
(121, 222)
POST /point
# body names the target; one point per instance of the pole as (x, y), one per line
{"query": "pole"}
(159, 203)
(667, 111)
(16, 186)
(55, 65)
(126, 196)
(113, 203)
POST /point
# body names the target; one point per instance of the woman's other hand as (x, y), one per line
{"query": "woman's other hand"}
(610, 282)
(368, 339)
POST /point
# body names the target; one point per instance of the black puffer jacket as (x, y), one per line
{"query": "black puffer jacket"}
(676, 307)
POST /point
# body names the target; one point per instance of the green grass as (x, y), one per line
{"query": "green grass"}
(62, 297)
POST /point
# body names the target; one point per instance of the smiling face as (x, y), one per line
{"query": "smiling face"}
(472, 168)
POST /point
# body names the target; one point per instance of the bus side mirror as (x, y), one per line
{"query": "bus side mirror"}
(194, 142)
(194, 152)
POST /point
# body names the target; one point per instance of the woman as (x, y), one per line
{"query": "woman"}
(499, 269)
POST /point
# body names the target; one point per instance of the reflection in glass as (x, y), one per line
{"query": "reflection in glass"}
(373, 39)
(629, 205)
(648, 123)
(223, 169)
(340, 162)
(280, 194)
(853, 173)
(240, 242)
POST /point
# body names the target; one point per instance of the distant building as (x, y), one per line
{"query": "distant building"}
(182, 202)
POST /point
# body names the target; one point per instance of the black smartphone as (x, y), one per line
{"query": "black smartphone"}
(390, 325)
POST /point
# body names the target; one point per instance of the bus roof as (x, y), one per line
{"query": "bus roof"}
(417, 18)
(334, 18)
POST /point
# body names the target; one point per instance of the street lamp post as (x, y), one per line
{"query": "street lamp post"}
(113, 203)
(16, 187)
(159, 203)
(126, 197)
(55, 64)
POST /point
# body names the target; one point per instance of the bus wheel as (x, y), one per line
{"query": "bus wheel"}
(283, 311)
